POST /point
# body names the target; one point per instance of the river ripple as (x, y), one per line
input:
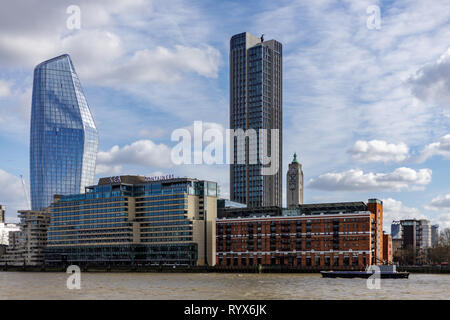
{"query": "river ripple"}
(197, 286)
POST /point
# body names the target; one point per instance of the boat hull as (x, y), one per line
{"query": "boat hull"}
(363, 274)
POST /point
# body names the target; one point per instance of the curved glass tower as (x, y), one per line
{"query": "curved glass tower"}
(64, 139)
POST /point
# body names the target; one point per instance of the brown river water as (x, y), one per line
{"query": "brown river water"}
(207, 286)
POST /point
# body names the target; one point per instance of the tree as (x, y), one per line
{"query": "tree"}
(441, 252)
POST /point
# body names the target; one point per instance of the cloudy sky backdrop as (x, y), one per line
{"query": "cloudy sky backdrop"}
(366, 110)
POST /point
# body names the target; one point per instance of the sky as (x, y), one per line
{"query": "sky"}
(366, 97)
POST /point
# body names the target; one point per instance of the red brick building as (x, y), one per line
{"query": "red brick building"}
(387, 248)
(310, 235)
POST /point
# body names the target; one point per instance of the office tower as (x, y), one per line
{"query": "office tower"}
(64, 139)
(434, 235)
(255, 103)
(294, 183)
(143, 221)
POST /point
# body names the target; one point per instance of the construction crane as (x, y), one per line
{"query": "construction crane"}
(26, 193)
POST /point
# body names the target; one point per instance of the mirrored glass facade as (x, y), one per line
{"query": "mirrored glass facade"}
(63, 138)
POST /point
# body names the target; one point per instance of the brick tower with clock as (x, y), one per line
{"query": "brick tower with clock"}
(294, 183)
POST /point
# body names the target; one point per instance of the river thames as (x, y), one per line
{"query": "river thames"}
(217, 286)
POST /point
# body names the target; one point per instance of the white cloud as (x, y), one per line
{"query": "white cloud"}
(440, 203)
(356, 180)
(432, 81)
(5, 88)
(165, 65)
(103, 52)
(108, 170)
(441, 148)
(141, 152)
(15, 113)
(396, 210)
(378, 151)
(443, 220)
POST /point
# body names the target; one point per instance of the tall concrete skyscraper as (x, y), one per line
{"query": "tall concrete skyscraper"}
(256, 103)
(63, 137)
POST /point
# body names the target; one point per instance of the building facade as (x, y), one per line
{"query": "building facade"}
(387, 248)
(294, 184)
(2, 213)
(434, 235)
(416, 234)
(311, 235)
(63, 137)
(5, 229)
(376, 207)
(396, 230)
(131, 220)
(26, 246)
(256, 103)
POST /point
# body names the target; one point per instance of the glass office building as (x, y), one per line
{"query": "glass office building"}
(130, 220)
(64, 138)
(255, 103)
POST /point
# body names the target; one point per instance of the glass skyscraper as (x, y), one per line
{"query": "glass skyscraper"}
(255, 103)
(63, 138)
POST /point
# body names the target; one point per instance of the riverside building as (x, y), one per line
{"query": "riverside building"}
(26, 246)
(131, 220)
(256, 100)
(63, 136)
(415, 234)
(309, 235)
(5, 229)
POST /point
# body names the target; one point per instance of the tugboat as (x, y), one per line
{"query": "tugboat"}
(386, 272)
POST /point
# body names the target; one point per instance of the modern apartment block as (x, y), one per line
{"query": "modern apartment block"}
(434, 235)
(63, 136)
(415, 234)
(5, 229)
(309, 235)
(255, 103)
(26, 247)
(132, 220)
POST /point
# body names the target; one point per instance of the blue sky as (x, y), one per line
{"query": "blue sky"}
(367, 110)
